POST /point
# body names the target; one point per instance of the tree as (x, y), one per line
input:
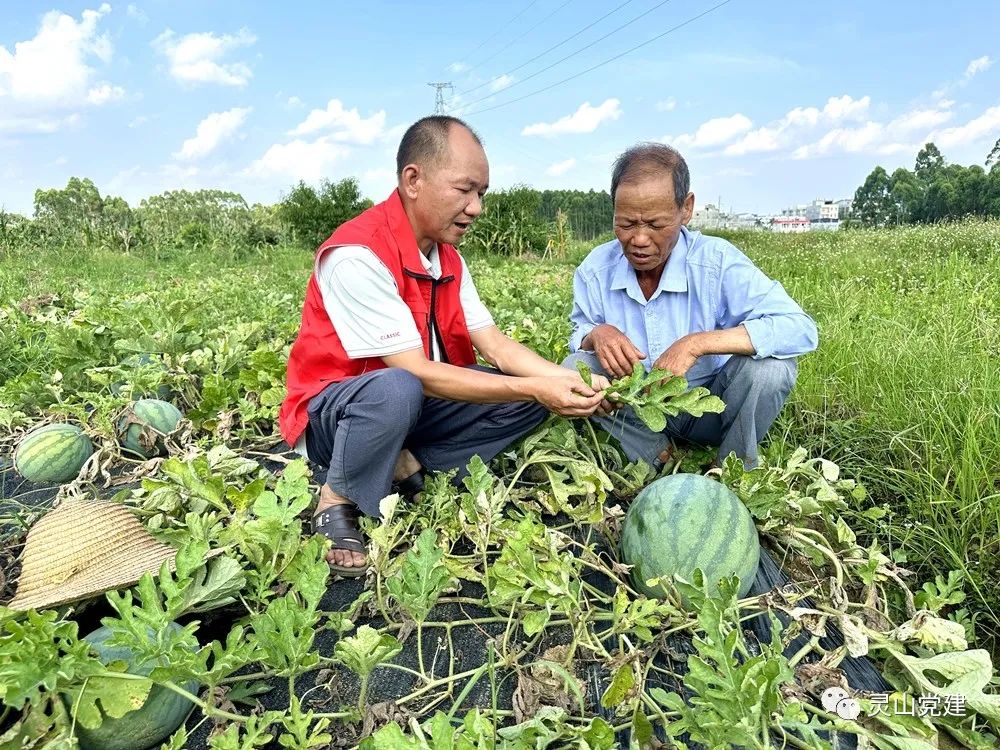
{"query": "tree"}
(73, 211)
(994, 158)
(312, 215)
(929, 163)
(907, 195)
(873, 202)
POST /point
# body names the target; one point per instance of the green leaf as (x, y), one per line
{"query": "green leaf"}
(621, 685)
(422, 578)
(102, 696)
(365, 650)
(966, 673)
(535, 621)
(584, 369)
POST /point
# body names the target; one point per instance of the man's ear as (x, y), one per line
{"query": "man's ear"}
(687, 210)
(409, 180)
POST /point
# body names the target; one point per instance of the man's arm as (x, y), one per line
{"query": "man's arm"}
(683, 353)
(511, 357)
(562, 392)
(774, 322)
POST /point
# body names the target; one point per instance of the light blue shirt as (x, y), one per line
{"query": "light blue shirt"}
(707, 285)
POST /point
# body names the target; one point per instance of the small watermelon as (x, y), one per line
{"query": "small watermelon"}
(159, 717)
(53, 453)
(144, 424)
(687, 521)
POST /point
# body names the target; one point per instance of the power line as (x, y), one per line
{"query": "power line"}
(574, 54)
(600, 64)
(493, 36)
(550, 49)
(516, 39)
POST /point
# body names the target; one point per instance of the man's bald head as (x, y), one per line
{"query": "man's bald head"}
(425, 142)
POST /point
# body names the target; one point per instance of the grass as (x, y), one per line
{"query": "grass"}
(902, 393)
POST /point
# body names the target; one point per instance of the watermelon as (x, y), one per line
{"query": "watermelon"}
(144, 424)
(159, 717)
(687, 521)
(53, 453)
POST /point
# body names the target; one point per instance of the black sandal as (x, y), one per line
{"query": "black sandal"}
(410, 486)
(339, 524)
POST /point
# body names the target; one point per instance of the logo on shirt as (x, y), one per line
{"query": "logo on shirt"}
(387, 336)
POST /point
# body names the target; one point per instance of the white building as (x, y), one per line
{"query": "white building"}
(820, 210)
(790, 224)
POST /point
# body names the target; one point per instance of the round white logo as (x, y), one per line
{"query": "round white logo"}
(838, 701)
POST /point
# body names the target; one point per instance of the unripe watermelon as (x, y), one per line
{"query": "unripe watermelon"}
(687, 521)
(53, 453)
(144, 424)
(159, 717)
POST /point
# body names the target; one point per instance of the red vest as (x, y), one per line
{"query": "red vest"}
(318, 358)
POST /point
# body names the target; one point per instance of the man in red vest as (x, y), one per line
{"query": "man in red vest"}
(382, 378)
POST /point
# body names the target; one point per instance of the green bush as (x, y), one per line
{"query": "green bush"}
(509, 225)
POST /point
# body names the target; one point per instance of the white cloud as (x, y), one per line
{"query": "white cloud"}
(299, 160)
(921, 119)
(849, 140)
(197, 58)
(343, 125)
(586, 119)
(978, 65)
(560, 167)
(666, 105)
(211, 132)
(985, 126)
(53, 68)
(135, 13)
(105, 93)
(714, 132)
(294, 102)
(137, 121)
(501, 82)
(791, 130)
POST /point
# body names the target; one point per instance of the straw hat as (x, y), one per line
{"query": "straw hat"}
(83, 548)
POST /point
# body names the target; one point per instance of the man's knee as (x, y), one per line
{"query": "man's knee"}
(767, 375)
(397, 395)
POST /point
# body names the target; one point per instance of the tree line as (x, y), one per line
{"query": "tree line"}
(932, 191)
(516, 221)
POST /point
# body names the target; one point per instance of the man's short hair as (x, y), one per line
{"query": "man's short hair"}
(426, 141)
(652, 160)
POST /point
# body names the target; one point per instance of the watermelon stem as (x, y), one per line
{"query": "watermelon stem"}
(799, 536)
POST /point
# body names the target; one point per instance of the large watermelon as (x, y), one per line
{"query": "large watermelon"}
(53, 453)
(159, 717)
(144, 424)
(687, 521)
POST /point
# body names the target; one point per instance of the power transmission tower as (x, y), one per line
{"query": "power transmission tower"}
(439, 96)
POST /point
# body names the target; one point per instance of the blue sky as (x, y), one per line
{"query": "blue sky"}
(773, 103)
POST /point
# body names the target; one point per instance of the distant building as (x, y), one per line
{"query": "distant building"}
(790, 224)
(844, 207)
(709, 217)
(820, 210)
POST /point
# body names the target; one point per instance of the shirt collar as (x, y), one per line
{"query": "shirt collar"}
(673, 278)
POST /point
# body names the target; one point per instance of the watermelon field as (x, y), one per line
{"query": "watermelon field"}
(500, 613)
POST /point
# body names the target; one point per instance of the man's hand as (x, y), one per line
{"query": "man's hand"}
(615, 351)
(680, 357)
(568, 396)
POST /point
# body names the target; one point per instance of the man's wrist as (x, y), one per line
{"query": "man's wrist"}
(697, 343)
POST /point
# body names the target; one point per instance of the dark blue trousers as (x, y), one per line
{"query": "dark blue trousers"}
(358, 427)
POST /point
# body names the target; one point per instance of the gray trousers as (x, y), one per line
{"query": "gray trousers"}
(358, 427)
(754, 390)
